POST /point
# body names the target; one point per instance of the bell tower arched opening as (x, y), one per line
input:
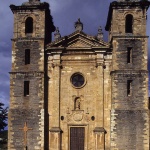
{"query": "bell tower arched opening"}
(129, 24)
(29, 25)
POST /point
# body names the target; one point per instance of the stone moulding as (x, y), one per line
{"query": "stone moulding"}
(55, 129)
(24, 73)
(27, 74)
(28, 39)
(30, 7)
(99, 129)
(129, 73)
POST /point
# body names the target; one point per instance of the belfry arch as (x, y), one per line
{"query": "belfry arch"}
(29, 25)
(129, 24)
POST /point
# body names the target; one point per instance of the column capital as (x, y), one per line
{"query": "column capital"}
(55, 129)
(99, 130)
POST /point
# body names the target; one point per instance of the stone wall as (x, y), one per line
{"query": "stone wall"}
(94, 97)
(129, 113)
(138, 56)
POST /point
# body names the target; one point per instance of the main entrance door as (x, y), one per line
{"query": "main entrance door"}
(77, 138)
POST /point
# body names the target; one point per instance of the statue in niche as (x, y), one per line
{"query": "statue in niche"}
(77, 103)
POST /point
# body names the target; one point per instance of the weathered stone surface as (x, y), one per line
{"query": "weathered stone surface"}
(109, 97)
(129, 113)
(129, 129)
(28, 108)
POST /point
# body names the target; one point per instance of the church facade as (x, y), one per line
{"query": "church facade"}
(79, 92)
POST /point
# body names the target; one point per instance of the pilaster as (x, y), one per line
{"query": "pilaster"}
(100, 99)
(54, 74)
(55, 138)
(99, 138)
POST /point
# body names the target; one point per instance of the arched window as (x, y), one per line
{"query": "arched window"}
(29, 25)
(129, 24)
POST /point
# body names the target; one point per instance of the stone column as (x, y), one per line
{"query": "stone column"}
(99, 138)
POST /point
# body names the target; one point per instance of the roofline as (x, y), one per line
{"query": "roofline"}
(115, 4)
(79, 33)
(41, 6)
(77, 48)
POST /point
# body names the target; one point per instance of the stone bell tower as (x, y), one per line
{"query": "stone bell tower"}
(32, 31)
(129, 114)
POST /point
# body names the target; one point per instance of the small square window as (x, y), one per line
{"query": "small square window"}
(129, 55)
(27, 56)
(129, 87)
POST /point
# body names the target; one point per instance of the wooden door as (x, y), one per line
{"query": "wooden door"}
(77, 135)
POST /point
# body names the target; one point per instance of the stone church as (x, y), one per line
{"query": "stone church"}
(79, 92)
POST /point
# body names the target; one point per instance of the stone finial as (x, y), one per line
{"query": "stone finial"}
(100, 33)
(78, 25)
(57, 34)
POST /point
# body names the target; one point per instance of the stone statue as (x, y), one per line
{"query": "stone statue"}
(100, 33)
(77, 103)
(78, 25)
(57, 34)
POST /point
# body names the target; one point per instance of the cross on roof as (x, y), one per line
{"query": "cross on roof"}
(25, 130)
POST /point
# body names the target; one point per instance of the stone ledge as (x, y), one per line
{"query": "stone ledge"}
(55, 129)
(99, 129)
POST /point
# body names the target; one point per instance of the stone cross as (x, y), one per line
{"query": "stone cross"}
(25, 130)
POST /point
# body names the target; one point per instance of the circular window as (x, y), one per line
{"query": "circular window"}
(77, 80)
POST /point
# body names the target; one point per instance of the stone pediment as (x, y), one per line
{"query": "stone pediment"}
(79, 43)
(78, 40)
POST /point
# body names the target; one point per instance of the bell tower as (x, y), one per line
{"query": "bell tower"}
(129, 113)
(32, 31)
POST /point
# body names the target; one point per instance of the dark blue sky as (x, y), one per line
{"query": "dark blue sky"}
(93, 13)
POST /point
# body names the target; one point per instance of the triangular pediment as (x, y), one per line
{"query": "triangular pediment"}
(79, 43)
(78, 40)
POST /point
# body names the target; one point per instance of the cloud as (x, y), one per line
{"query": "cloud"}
(4, 98)
(4, 78)
(4, 62)
(92, 14)
(4, 44)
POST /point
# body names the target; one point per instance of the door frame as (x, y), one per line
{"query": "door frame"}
(85, 136)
